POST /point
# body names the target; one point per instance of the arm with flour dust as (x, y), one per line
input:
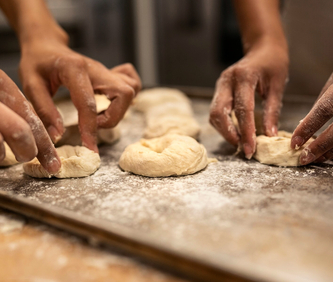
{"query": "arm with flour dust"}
(47, 62)
(264, 68)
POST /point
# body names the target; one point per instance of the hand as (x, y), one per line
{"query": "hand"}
(45, 65)
(321, 148)
(263, 69)
(21, 128)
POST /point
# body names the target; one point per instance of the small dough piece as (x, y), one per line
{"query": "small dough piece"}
(166, 111)
(168, 155)
(10, 159)
(75, 162)
(70, 118)
(277, 151)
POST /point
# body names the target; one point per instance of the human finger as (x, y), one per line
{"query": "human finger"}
(322, 144)
(129, 70)
(320, 113)
(18, 135)
(74, 75)
(13, 98)
(121, 96)
(244, 109)
(2, 149)
(220, 110)
(40, 97)
(328, 155)
(272, 107)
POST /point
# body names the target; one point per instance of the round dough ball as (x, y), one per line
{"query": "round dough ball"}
(181, 125)
(10, 157)
(75, 162)
(277, 151)
(149, 98)
(168, 155)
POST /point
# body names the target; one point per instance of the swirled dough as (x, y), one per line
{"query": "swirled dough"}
(277, 151)
(75, 162)
(10, 157)
(70, 119)
(166, 111)
(168, 155)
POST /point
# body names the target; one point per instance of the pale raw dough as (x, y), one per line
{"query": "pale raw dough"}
(150, 98)
(277, 151)
(10, 157)
(168, 155)
(75, 162)
(70, 118)
(166, 111)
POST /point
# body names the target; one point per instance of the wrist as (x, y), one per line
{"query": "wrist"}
(40, 32)
(267, 41)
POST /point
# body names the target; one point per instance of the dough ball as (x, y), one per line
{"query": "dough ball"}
(75, 162)
(182, 125)
(153, 97)
(168, 155)
(10, 157)
(277, 151)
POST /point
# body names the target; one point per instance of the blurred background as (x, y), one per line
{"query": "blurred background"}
(184, 43)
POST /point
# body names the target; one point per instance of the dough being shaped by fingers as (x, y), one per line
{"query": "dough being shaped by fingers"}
(277, 151)
(153, 97)
(10, 159)
(75, 162)
(70, 118)
(182, 125)
(168, 155)
(70, 114)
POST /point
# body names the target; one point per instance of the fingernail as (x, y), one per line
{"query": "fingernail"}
(274, 130)
(54, 134)
(248, 151)
(306, 157)
(53, 166)
(297, 142)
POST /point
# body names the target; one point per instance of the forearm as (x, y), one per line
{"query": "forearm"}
(32, 21)
(259, 21)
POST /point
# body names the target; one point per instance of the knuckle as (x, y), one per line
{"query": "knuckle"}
(21, 134)
(129, 67)
(127, 91)
(74, 61)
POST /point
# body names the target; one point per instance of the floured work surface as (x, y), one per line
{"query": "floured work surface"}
(257, 221)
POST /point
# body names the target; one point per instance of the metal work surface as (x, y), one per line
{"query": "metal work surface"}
(255, 221)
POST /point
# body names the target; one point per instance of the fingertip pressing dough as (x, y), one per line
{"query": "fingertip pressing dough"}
(277, 151)
(168, 155)
(10, 159)
(76, 161)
